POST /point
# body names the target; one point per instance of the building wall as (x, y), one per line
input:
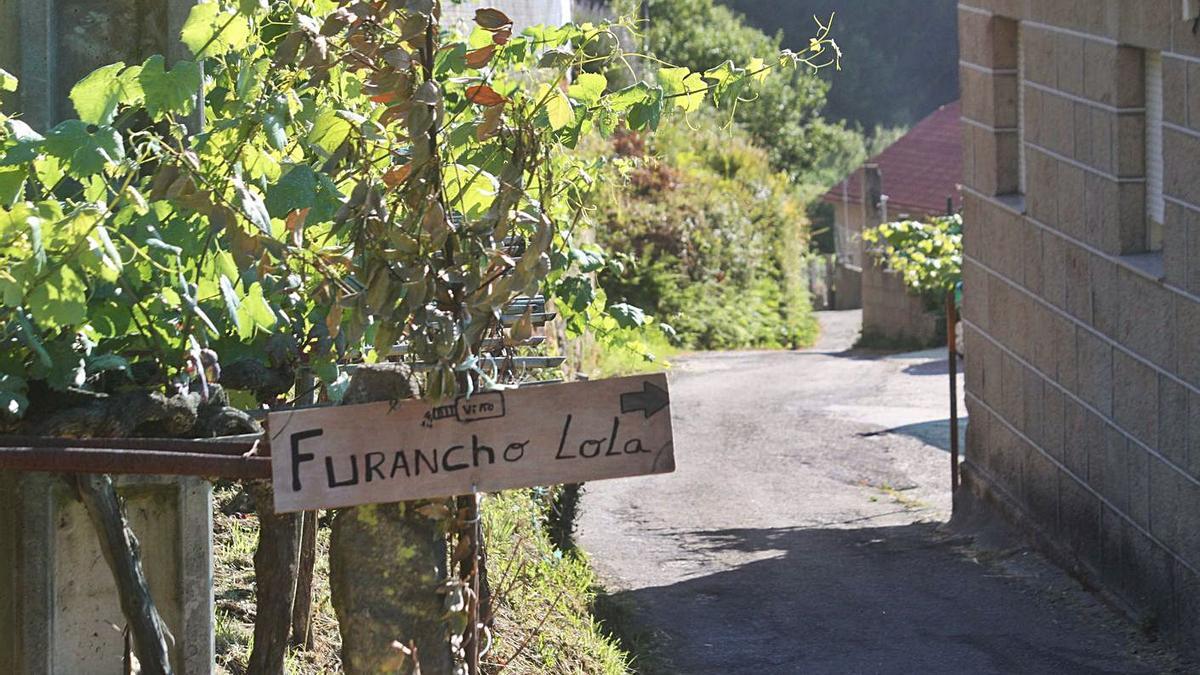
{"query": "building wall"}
(58, 601)
(1083, 374)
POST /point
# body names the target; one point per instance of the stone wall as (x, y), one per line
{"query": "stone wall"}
(1083, 374)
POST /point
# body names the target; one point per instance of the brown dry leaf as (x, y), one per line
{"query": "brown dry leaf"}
(183, 185)
(385, 97)
(396, 176)
(398, 58)
(522, 330)
(289, 47)
(490, 18)
(333, 320)
(295, 225)
(317, 53)
(480, 57)
(484, 95)
(462, 550)
(490, 125)
(502, 36)
(163, 179)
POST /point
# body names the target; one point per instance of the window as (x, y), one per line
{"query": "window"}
(1155, 204)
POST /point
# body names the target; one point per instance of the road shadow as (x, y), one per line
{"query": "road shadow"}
(934, 432)
(852, 353)
(882, 600)
(928, 368)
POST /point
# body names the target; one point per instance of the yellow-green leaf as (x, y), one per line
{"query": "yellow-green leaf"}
(209, 31)
(588, 88)
(559, 110)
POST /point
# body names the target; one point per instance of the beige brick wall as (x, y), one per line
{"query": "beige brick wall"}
(891, 312)
(1083, 371)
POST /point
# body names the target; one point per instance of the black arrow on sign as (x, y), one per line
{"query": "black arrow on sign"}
(651, 399)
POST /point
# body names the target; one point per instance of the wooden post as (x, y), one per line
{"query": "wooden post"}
(306, 387)
(469, 571)
(873, 212)
(302, 605)
(275, 563)
(386, 563)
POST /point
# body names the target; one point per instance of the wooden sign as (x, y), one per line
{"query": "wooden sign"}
(380, 452)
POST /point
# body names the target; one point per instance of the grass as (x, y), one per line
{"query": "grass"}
(635, 351)
(235, 538)
(543, 621)
(543, 596)
(618, 617)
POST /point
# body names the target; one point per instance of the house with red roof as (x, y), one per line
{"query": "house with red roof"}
(915, 177)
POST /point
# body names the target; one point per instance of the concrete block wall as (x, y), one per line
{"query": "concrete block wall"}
(891, 312)
(1083, 374)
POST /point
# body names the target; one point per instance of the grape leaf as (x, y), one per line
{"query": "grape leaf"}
(171, 91)
(588, 88)
(210, 31)
(647, 113)
(84, 152)
(29, 143)
(60, 300)
(329, 131)
(629, 96)
(628, 316)
(296, 190)
(685, 88)
(8, 81)
(232, 303)
(12, 184)
(254, 208)
(559, 110)
(97, 96)
(254, 311)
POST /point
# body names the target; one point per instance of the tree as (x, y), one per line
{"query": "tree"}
(785, 115)
(903, 54)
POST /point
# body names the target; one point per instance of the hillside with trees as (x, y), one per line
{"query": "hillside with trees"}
(901, 56)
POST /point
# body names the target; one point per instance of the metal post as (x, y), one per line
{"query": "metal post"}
(952, 352)
(952, 349)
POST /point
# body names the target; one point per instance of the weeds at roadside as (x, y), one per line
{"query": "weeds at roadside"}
(542, 596)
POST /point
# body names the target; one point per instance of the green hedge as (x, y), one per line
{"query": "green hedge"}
(713, 234)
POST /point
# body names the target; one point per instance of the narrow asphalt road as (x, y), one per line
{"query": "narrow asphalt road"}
(804, 532)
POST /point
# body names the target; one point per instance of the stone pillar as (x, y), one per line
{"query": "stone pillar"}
(59, 610)
(875, 317)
